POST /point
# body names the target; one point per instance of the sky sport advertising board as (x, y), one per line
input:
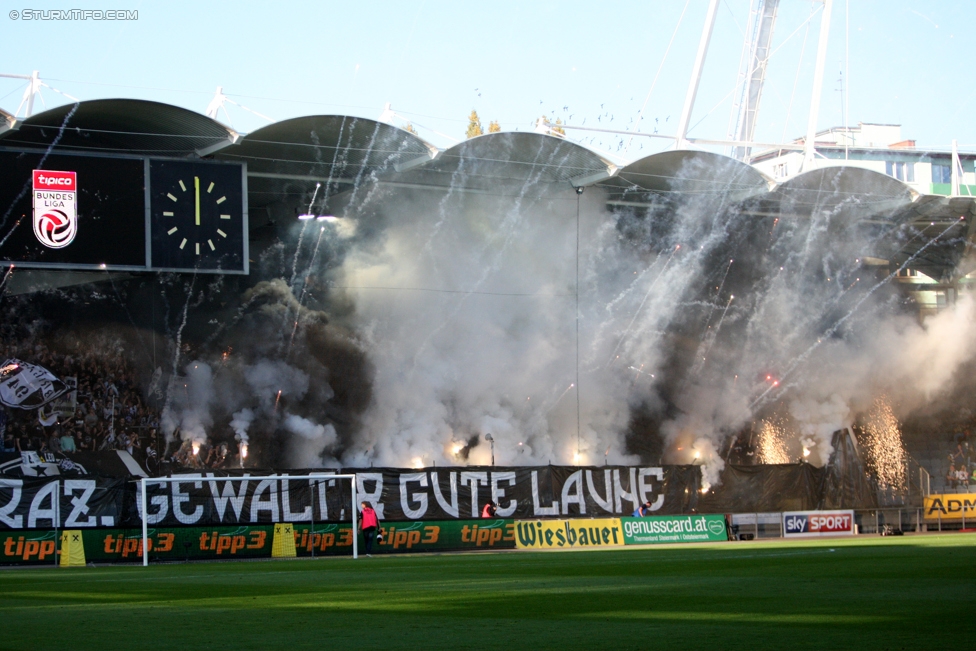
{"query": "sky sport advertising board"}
(818, 523)
(674, 529)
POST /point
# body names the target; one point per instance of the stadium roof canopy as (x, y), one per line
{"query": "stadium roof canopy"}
(337, 151)
(125, 126)
(685, 173)
(286, 159)
(524, 158)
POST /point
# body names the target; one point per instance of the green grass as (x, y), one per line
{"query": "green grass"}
(916, 592)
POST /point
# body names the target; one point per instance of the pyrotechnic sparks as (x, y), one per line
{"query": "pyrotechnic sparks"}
(772, 442)
(881, 442)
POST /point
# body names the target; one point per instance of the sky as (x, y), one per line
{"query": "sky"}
(588, 64)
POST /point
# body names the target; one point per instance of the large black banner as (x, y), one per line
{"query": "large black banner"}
(72, 500)
(64, 503)
(397, 494)
(426, 494)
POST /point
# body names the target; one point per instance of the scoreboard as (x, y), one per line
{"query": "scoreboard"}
(87, 211)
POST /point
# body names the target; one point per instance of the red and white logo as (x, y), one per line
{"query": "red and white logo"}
(55, 208)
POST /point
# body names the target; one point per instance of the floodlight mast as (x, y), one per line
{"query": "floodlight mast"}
(177, 479)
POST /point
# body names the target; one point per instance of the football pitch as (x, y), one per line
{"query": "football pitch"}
(912, 592)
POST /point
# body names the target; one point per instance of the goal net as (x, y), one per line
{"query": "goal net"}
(200, 516)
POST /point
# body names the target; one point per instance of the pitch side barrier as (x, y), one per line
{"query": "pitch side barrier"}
(260, 541)
(311, 539)
(282, 531)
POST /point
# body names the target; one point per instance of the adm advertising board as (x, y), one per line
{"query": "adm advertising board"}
(818, 523)
(950, 507)
(117, 212)
(674, 529)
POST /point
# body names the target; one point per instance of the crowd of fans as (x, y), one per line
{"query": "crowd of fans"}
(109, 411)
(962, 464)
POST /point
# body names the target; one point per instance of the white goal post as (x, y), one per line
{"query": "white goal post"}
(313, 479)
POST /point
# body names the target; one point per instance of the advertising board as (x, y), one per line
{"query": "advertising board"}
(673, 529)
(110, 545)
(954, 506)
(561, 534)
(817, 523)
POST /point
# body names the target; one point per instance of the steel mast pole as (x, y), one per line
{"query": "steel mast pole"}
(809, 150)
(706, 36)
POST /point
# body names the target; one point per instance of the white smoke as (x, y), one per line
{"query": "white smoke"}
(468, 307)
(818, 420)
(241, 421)
(310, 442)
(188, 408)
(475, 333)
(484, 313)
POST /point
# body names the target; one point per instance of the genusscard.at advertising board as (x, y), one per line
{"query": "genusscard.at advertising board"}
(674, 529)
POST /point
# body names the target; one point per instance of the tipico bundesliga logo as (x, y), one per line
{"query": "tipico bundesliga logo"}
(55, 208)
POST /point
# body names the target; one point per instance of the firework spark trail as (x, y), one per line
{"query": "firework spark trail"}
(301, 300)
(718, 293)
(513, 219)
(311, 264)
(708, 342)
(294, 263)
(6, 277)
(301, 236)
(556, 401)
(802, 357)
(178, 339)
(640, 307)
(640, 371)
(179, 331)
(718, 328)
(40, 165)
